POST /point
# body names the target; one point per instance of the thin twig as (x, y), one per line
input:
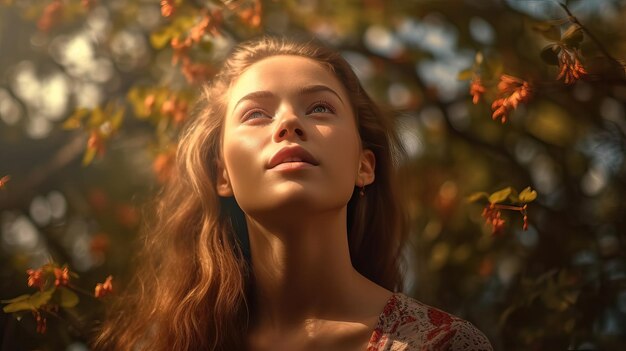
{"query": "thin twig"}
(81, 290)
(507, 207)
(575, 20)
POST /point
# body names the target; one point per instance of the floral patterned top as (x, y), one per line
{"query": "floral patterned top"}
(407, 325)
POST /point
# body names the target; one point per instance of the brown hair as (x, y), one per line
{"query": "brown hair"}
(191, 288)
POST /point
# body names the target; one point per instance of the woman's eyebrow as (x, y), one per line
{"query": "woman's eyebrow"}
(261, 94)
(310, 89)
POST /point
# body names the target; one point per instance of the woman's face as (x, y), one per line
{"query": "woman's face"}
(290, 138)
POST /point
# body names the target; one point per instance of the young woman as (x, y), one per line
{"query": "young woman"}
(285, 136)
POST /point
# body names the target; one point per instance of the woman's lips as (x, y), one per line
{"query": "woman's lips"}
(292, 165)
(292, 157)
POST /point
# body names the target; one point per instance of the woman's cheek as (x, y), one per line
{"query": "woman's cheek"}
(242, 155)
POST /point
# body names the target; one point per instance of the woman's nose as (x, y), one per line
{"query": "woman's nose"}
(289, 127)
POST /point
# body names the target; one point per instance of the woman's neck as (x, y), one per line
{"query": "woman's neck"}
(302, 272)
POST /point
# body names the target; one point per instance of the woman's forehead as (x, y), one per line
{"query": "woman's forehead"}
(284, 72)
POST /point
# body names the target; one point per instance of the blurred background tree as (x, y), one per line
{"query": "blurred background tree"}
(93, 94)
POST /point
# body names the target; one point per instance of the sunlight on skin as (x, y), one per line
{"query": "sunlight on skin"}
(296, 213)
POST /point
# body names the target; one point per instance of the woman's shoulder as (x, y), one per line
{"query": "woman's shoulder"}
(407, 324)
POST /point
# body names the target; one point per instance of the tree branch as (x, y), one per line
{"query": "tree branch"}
(600, 46)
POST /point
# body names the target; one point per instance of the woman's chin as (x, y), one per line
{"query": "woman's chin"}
(293, 197)
(292, 201)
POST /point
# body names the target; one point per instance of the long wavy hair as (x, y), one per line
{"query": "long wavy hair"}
(192, 285)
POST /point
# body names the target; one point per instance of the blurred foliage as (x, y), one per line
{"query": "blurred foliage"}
(108, 84)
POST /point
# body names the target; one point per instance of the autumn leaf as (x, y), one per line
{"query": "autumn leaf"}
(103, 289)
(4, 180)
(75, 120)
(527, 195)
(478, 196)
(573, 36)
(30, 302)
(65, 298)
(477, 89)
(500, 195)
(465, 74)
(20, 303)
(571, 68)
(89, 156)
(513, 91)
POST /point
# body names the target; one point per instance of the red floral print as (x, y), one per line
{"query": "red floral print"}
(406, 324)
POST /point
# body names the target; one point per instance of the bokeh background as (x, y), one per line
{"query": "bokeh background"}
(93, 94)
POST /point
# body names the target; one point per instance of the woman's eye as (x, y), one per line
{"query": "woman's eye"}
(254, 115)
(321, 108)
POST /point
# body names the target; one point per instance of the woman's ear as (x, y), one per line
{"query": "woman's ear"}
(367, 166)
(224, 187)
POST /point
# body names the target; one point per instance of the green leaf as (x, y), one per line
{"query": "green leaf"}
(74, 121)
(549, 31)
(137, 98)
(117, 118)
(16, 299)
(513, 196)
(18, 306)
(161, 38)
(97, 117)
(41, 298)
(500, 195)
(90, 154)
(478, 196)
(179, 27)
(29, 302)
(66, 297)
(465, 74)
(71, 123)
(573, 36)
(527, 195)
(550, 54)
